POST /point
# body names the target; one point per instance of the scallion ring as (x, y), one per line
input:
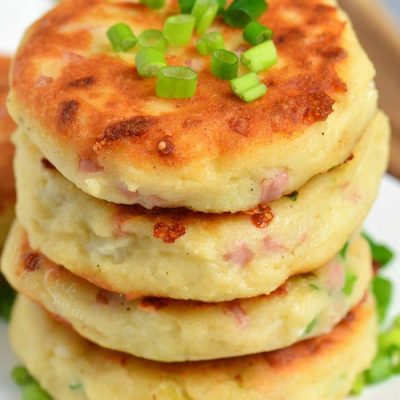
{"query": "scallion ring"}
(152, 39)
(241, 12)
(260, 57)
(176, 82)
(149, 61)
(256, 33)
(178, 29)
(121, 37)
(224, 64)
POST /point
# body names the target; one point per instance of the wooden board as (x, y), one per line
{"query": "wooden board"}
(380, 36)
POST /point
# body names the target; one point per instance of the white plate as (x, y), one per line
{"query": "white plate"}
(383, 223)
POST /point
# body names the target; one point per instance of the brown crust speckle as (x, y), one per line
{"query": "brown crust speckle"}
(165, 146)
(82, 82)
(168, 232)
(129, 128)
(68, 112)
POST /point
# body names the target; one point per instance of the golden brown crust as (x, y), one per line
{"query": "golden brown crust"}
(7, 126)
(99, 104)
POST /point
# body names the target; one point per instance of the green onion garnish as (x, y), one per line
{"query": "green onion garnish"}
(204, 12)
(21, 376)
(224, 64)
(248, 87)
(153, 3)
(209, 42)
(383, 292)
(380, 370)
(176, 82)
(7, 296)
(260, 57)
(241, 12)
(152, 39)
(34, 392)
(121, 37)
(186, 6)
(178, 29)
(256, 33)
(358, 385)
(380, 253)
(31, 390)
(149, 61)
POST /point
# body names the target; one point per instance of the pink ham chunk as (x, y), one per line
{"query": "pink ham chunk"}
(273, 188)
(241, 255)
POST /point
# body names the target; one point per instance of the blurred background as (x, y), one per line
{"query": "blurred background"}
(377, 23)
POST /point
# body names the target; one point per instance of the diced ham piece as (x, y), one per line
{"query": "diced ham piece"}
(241, 255)
(88, 165)
(335, 275)
(131, 195)
(239, 314)
(273, 188)
(272, 245)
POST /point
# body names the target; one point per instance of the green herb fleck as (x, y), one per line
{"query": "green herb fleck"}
(380, 253)
(314, 286)
(344, 250)
(294, 195)
(349, 283)
(75, 386)
(310, 326)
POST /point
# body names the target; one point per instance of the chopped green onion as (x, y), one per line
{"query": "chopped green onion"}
(260, 57)
(153, 3)
(380, 253)
(389, 339)
(178, 29)
(254, 93)
(152, 38)
(186, 6)
(245, 82)
(176, 82)
(149, 61)
(358, 385)
(256, 33)
(121, 37)
(209, 42)
(350, 280)
(224, 64)
(248, 87)
(344, 250)
(33, 391)
(383, 291)
(21, 376)
(380, 370)
(221, 7)
(7, 296)
(204, 12)
(241, 12)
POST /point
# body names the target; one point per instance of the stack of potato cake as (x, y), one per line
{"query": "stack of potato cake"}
(193, 249)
